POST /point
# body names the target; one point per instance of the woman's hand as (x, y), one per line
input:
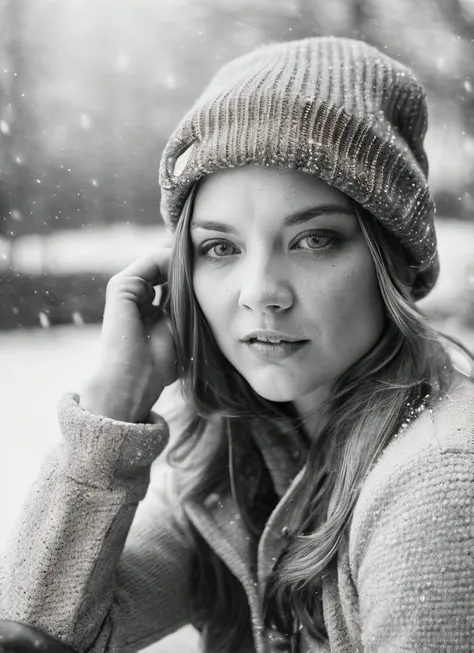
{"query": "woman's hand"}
(138, 357)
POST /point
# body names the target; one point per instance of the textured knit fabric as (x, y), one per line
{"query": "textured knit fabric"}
(332, 107)
(91, 567)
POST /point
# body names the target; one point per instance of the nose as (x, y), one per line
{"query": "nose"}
(264, 286)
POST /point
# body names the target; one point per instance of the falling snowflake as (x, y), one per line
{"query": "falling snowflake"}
(77, 318)
(16, 215)
(171, 81)
(44, 320)
(85, 121)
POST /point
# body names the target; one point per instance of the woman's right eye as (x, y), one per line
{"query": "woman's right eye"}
(217, 249)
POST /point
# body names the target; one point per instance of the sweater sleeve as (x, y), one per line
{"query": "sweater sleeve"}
(100, 558)
(413, 557)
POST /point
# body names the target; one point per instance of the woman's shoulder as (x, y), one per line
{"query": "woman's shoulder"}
(445, 426)
(453, 417)
(436, 449)
(411, 526)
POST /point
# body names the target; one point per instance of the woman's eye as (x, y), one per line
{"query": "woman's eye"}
(220, 249)
(315, 241)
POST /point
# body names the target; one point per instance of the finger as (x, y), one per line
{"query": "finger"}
(152, 268)
(129, 288)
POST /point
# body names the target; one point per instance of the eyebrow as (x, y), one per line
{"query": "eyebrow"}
(290, 221)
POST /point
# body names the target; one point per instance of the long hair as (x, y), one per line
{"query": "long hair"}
(366, 408)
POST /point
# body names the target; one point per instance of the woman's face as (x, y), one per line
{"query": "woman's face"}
(279, 254)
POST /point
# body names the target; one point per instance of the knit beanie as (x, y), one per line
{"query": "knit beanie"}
(333, 107)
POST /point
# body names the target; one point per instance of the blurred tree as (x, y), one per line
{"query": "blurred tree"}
(13, 203)
(92, 103)
(459, 14)
(437, 41)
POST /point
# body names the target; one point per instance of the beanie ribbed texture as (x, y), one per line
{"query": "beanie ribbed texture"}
(333, 107)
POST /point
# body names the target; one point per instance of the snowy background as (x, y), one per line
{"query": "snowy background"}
(89, 92)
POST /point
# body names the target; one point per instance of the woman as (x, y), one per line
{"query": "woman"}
(317, 493)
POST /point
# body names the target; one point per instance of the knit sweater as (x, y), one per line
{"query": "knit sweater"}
(101, 556)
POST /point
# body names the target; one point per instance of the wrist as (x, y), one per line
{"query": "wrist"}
(104, 398)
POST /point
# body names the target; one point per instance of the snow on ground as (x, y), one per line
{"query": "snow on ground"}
(92, 249)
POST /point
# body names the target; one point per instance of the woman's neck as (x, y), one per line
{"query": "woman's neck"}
(309, 410)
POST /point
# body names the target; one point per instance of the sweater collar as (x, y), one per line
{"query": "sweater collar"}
(284, 450)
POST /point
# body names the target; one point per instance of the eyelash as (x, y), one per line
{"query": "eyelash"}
(205, 248)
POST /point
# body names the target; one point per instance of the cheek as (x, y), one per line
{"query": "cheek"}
(211, 296)
(358, 309)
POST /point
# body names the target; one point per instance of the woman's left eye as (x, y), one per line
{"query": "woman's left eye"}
(315, 241)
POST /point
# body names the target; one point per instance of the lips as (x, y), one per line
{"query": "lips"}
(273, 346)
(275, 352)
(269, 341)
(267, 336)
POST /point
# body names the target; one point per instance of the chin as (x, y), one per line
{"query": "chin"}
(276, 397)
(275, 389)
